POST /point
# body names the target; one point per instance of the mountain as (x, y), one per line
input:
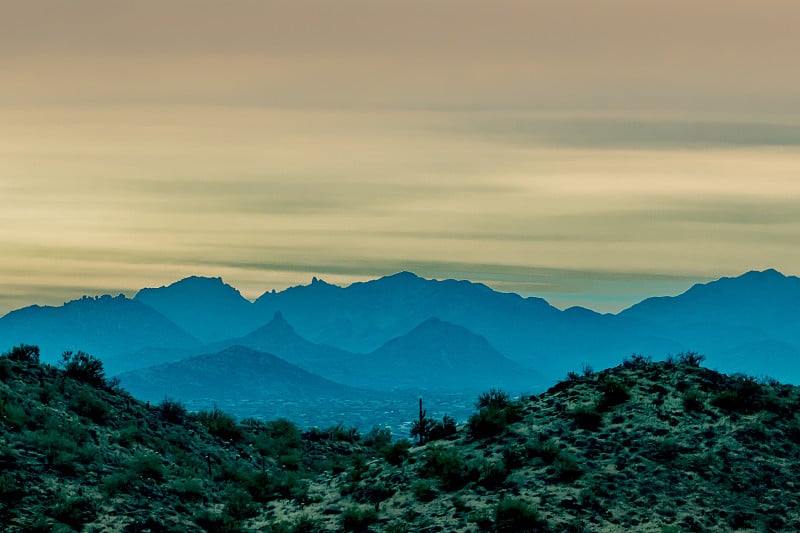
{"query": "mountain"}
(208, 308)
(279, 337)
(236, 373)
(106, 326)
(442, 356)
(640, 447)
(725, 317)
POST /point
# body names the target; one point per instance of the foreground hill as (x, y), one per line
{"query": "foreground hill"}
(660, 447)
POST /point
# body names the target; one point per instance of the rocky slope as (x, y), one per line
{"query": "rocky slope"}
(660, 447)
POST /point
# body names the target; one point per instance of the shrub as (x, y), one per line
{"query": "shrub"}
(692, 400)
(546, 450)
(172, 411)
(278, 438)
(566, 468)
(424, 490)
(378, 438)
(636, 361)
(744, 396)
(88, 405)
(396, 453)
(690, 358)
(13, 413)
(587, 417)
(148, 466)
(495, 398)
(614, 393)
(239, 504)
(446, 466)
(492, 474)
(443, 429)
(188, 488)
(490, 421)
(515, 516)
(83, 367)
(220, 424)
(358, 519)
(24, 353)
(73, 511)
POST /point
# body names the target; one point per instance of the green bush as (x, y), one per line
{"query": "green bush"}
(587, 417)
(24, 353)
(172, 411)
(239, 504)
(378, 438)
(566, 468)
(495, 398)
(424, 490)
(220, 424)
(515, 516)
(396, 453)
(447, 466)
(491, 420)
(148, 466)
(13, 413)
(546, 450)
(74, 511)
(84, 367)
(690, 358)
(358, 519)
(613, 393)
(692, 400)
(744, 395)
(278, 438)
(87, 404)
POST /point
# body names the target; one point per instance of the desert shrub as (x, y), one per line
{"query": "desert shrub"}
(281, 439)
(424, 490)
(172, 411)
(545, 449)
(118, 482)
(87, 404)
(692, 400)
(74, 511)
(13, 413)
(490, 421)
(636, 361)
(372, 492)
(613, 393)
(6, 369)
(239, 504)
(127, 435)
(492, 474)
(443, 429)
(587, 417)
(378, 438)
(9, 487)
(342, 434)
(494, 398)
(515, 516)
(220, 424)
(23, 353)
(305, 524)
(587, 370)
(215, 521)
(147, 466)
(447, 466)
(690, 358)
(743, 396)
(188, 488)
(667, 450)
(396, 453)
(84, 367)
(566, 468)
(358, 519)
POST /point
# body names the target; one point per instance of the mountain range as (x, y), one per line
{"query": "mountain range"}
(407, 332)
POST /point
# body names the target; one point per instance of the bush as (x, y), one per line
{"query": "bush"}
(396, 453)
(83, 367)
(587, 417)
(88, 405)
(239, 504)
(24, 353)
(692, 400)
(13, 413)
(490, 421)
(278, 438)
(220, 424)
(690, 358)
(566, 468)
(172, 411)
(378, 438)
(358, 519)
(148, 466)
(447, 467)
(636, 361)
(424, 490)
(494, 398)
(443, 429)
(73, 511)
(515, 516)
(188, 488)
(744, 396)
(546, 450)
(614, 393)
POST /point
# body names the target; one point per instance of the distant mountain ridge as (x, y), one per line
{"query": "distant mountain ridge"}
(723, 319)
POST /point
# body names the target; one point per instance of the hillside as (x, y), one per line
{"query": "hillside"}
(660, 447)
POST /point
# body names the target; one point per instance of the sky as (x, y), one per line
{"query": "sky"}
(591, 153)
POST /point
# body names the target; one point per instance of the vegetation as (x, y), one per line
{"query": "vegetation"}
(655, 446)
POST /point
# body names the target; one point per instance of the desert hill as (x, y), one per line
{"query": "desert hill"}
(663, 447)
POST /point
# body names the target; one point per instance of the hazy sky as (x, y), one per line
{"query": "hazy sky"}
(590, 152)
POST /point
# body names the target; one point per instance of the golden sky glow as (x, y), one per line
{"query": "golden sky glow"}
(588, 152)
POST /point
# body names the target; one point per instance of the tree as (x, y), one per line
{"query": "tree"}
(84, 367)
